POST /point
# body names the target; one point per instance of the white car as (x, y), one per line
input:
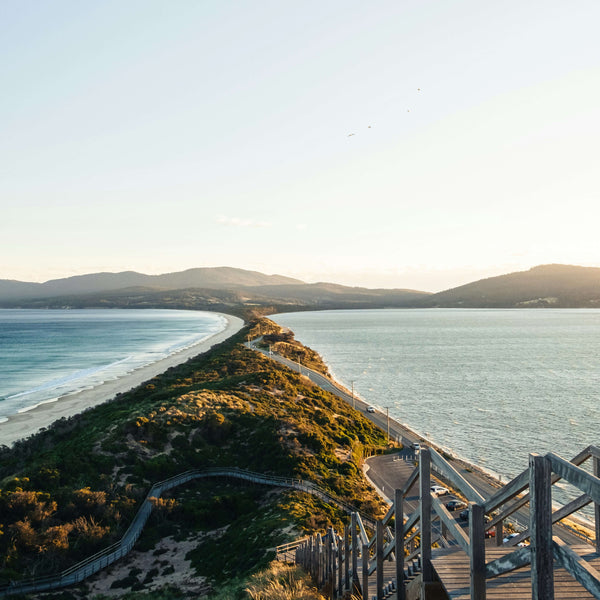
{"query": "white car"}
(522, 544)
(438, 490)
(370, 409)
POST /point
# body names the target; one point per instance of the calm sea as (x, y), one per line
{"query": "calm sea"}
(488, 385)
(45, 354)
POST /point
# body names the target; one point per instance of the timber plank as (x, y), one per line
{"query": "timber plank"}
(452, 568)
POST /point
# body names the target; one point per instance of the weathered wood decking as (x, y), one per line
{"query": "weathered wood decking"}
(464, 566)
(452, 568)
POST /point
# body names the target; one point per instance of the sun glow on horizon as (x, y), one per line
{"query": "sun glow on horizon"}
(402, 145)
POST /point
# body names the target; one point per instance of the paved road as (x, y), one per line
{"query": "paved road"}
(397, 432)
(388, 474)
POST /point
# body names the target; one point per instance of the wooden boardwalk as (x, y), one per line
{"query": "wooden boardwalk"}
(389, 574)
(452, 568)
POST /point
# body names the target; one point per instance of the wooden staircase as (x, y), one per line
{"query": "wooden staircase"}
(456, 562)
(452, 568)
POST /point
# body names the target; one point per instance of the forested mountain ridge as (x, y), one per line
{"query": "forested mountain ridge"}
(220, 289)
(238, 291)
(205, 277)
(552, 286)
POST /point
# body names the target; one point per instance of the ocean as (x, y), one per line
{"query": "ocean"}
(489, 386)
(46, 354)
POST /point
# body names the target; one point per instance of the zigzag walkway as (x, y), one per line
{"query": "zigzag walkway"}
(111, 554)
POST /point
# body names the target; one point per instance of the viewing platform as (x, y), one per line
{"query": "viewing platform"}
(452, 568)
(431, 554)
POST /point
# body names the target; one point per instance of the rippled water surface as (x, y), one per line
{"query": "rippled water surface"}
(489, 385)
(45, 354)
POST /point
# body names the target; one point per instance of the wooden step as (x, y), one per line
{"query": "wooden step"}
(452, 568)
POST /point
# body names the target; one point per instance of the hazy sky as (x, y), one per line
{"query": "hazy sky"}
(405, 143)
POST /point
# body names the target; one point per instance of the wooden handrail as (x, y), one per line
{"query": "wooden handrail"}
(468, 491)
(117, 550)
(587, 576)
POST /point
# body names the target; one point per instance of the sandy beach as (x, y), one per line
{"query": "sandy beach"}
(25, 424)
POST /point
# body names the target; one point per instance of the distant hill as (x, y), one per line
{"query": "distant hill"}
(213, 278)
(237, 290)
(559, 286)
(332, 294)
(218, 289)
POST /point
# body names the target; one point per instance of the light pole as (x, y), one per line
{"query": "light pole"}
(353, 402)
(387, 412)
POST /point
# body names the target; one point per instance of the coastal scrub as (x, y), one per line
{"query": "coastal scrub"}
(73, 489)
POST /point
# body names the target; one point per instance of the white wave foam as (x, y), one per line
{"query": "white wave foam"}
(28, 408)
(67, 379)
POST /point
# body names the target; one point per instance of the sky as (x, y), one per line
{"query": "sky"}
(415, 144)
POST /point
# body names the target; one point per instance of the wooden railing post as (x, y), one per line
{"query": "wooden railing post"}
(333, 568)
(399, 543)
(379, 557)
(425, 498)
(365, 571)
(477, 551)
(596, 466)
(340, 570)
(319, 557)
(540, 528)
(355, 551)
(331, 556)
(346, 585)
(330, 564)
(499, 533)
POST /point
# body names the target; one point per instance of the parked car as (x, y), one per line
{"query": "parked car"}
(455, 505)
(510, 537)
(490, 533)
(438, 490)
(464, 514)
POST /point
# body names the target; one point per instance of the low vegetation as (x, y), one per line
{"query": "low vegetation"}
(284, 343)
(282, 582)
(74, 488)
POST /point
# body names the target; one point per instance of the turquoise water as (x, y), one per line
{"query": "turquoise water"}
(490, 386)
(45, 354)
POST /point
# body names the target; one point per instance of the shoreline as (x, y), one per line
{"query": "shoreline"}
(410, 435)
(25, 424)
(406, 434)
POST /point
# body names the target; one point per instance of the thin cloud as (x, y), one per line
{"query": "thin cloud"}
(239, 222)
